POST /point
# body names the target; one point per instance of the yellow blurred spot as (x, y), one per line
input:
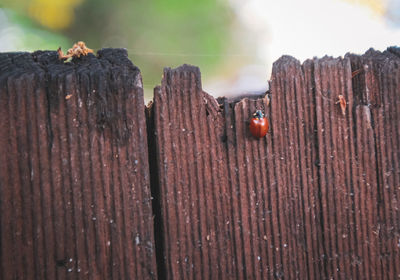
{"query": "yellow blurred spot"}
(54, 14)
(377, 6)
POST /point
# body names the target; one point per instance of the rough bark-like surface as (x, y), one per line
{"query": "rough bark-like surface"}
(377, 100)
(74, 176)
(316, 198)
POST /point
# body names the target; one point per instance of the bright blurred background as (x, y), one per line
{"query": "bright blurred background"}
(234, 42)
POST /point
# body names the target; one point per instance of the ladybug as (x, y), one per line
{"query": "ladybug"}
(258, 124)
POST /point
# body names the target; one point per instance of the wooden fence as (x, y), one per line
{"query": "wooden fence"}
(93, 185)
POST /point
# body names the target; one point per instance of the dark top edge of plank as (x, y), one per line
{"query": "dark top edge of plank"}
(110, 77)
(40, 62)
(392, 52)
(284, 60)
(184, 69)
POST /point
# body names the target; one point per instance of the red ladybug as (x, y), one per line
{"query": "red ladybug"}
(259, 124)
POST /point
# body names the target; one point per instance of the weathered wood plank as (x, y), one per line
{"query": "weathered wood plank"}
(336, 156)
(194, 230)
(377, 88)
(294, 154)
(74, 176)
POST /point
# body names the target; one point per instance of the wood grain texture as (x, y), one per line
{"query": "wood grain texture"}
(74, 177)
(377, 96)
(317, 198)
(231, 207)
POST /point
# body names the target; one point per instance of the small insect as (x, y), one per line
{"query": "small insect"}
(258, 124)
(77, 50)
(268, 97)
(342, 102)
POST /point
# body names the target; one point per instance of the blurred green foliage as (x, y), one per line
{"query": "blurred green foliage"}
(31, 36)
(156, 33)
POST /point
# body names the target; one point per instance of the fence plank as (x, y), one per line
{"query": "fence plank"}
(336, 157)
(74, 176)
(377, 89)
(295, 159)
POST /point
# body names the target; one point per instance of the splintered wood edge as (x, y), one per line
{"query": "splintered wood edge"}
(284, 61)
